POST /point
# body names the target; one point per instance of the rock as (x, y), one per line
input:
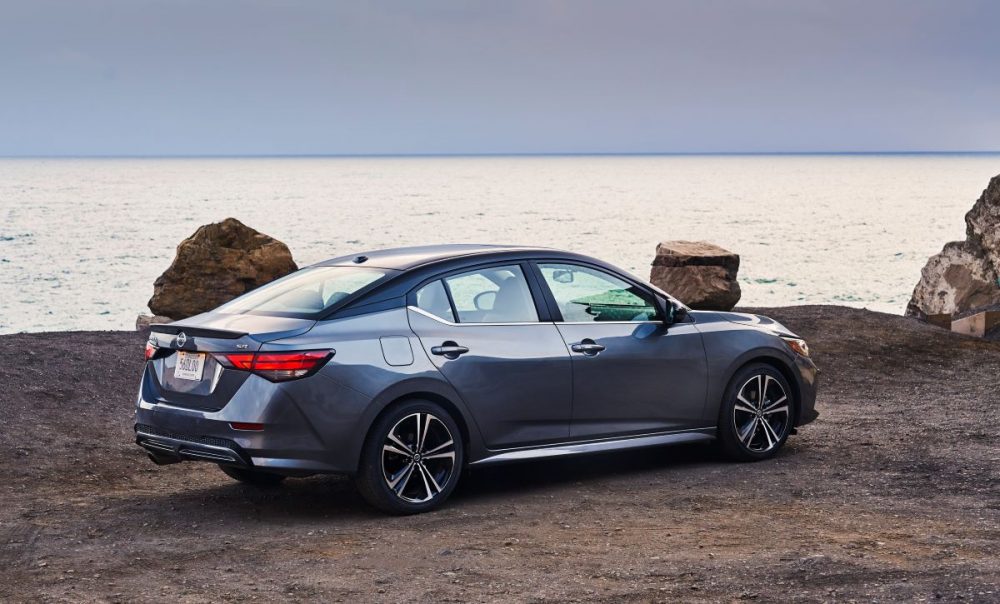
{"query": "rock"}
(956, 280)
(942, 320)
(699, 274)
(219, 262)
(978, 324)
(143, 321)
(964, 275)
(982, 223)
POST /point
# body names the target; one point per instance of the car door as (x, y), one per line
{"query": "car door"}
(632, 373)
(481, 328)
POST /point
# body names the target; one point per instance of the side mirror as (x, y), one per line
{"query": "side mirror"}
(680, 313)
(670, 311)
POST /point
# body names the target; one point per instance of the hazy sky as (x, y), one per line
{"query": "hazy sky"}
(148, 77)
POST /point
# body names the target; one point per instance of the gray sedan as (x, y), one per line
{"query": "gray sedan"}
(402, 367)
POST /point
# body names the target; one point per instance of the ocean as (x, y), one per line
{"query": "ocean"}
(82, 240)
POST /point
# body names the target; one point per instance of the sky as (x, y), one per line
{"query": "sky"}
(291, 77)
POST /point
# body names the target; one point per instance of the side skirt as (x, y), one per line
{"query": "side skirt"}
(599, 446)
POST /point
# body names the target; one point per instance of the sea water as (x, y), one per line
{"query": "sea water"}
(82, 240)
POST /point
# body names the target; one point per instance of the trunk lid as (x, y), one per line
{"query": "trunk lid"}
(184, 372)
(220, 326)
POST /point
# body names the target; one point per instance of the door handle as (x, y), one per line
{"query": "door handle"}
(587, 347)
(449, 350)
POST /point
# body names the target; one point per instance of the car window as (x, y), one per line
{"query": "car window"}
(585, 294)
(306, 292)
(433, 298)
(492, 295)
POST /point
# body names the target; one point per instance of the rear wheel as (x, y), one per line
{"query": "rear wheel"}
(254, 477)
(411, 459)
(756, 414)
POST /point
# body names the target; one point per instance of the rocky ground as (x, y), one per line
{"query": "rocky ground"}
(893, 494)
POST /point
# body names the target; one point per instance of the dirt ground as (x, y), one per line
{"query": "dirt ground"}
(892, 495)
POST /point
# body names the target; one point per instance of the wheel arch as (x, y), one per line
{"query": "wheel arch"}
(781, 365)
(420, 388)
(449, 406)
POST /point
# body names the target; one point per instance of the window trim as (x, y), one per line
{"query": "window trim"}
(446, 322)
(447, 295)
(534, 289)
(556, 312)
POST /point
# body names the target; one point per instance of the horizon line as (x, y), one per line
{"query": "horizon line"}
(492, 154)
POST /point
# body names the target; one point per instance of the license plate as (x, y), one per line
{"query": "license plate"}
(190, 365)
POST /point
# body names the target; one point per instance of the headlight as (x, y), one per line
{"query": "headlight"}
(797, 345)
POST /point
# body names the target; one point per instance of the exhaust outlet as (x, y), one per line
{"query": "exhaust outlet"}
(163, 461)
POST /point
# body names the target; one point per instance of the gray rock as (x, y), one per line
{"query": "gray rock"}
(699, 274)
(982, 223)
(964, 275)
(957, 279)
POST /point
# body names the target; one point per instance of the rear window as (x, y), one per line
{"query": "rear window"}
(304, 293)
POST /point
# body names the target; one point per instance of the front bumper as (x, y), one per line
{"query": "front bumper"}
(807, 378)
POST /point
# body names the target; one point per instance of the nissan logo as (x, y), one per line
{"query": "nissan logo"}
(181, 340)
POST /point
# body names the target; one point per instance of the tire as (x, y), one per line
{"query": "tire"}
(399, 474)
(254, 477)
(749, 431)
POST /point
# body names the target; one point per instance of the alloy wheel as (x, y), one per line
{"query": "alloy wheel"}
(418, 457)
(761, 414)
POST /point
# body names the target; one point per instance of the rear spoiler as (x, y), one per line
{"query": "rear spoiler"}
(198, 332)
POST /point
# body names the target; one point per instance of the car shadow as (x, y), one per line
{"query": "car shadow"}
(508, 480)
(334, 497)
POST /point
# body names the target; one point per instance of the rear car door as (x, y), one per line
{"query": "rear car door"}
(482, 329)
(632, 373)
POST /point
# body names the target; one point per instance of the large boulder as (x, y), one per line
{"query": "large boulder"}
(218, 263)
(982, 223)
(699, 274)
(964, 275)
(957, 279)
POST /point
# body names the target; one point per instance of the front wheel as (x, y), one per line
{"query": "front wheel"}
(412, 459)
(756, 414)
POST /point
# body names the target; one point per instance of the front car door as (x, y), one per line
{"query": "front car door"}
(481, 329)
(632, 373)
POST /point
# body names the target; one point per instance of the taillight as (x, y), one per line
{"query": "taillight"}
(239, 360)
(246, 426)
(150, 350)
(277, 366)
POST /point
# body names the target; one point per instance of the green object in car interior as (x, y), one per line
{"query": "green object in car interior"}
(616, 305)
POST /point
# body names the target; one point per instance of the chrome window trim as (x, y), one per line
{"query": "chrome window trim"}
(444, 322)
(608, 322)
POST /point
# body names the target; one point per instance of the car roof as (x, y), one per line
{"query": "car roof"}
(414, 266)
(407, 258)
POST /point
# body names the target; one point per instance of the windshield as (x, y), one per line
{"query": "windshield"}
(304, 293)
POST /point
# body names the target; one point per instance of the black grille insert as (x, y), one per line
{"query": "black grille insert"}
(204, 440)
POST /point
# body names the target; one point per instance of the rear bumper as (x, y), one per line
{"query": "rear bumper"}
(286, 446)
(310, 425)
(166, 447)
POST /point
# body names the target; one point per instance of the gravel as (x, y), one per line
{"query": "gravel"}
(892, 494)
